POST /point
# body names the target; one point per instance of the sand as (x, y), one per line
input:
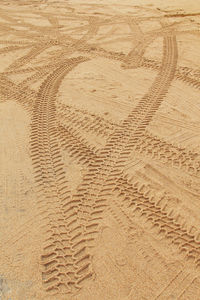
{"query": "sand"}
(100, 150)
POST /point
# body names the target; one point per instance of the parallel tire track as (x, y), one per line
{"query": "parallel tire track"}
(133, 199)
(169, 154)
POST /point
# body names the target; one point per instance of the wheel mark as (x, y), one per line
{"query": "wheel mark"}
(140, 201)
(50, 177)
(119, 147)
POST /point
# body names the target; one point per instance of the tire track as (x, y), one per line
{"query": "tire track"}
(57, 260)
(75, 120)
(144, 62)
(169, 154)
(73, 223)
(76, 146)
(147, 145)
(148, 63)
(11, 91)
(12, 48)
(34, 52)
(103, 172)
(134, 199)
(82, 119)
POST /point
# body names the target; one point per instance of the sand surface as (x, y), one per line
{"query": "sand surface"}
(100, 150)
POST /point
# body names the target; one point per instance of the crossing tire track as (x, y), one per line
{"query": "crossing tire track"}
(76, 146)
(82, 119)
(72, 221)
(11, 91)
(168, 154)
(104, 171)
(152, 64)
(158, 149)
(34, 52)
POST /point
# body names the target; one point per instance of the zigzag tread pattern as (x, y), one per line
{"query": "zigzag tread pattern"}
(133, 198)
(156, 148)
(104, 171)
(63, 248)
(72, 221)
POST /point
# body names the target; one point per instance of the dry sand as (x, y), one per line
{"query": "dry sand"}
(100, 150)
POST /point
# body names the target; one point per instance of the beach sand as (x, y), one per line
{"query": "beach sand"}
(100, 150)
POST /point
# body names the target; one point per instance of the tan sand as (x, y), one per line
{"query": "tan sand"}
(100, 150)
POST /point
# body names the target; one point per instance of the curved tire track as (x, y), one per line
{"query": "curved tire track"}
(103, 172)
(57, 260)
